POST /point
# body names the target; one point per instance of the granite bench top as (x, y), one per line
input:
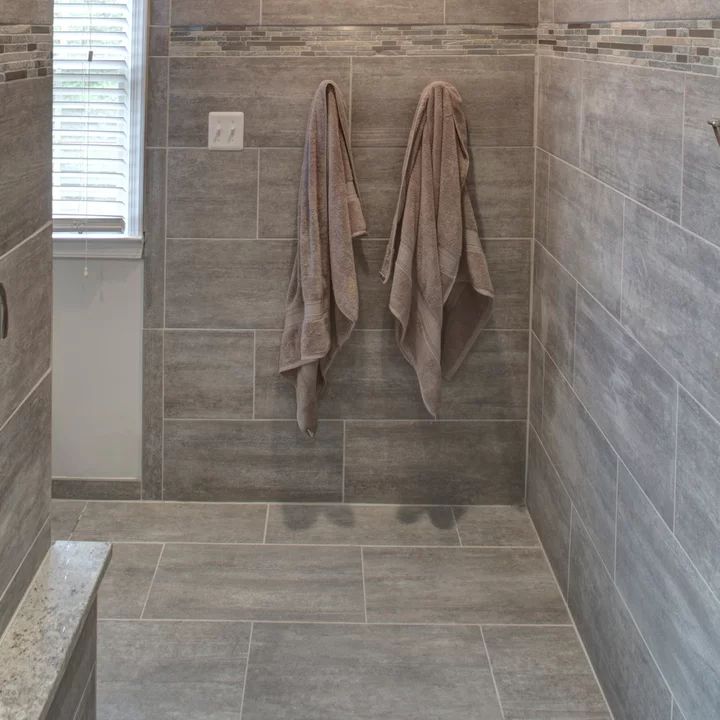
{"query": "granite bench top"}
(38, 642)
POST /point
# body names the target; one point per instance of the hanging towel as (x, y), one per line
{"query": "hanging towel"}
(322, 300)
(441, 293)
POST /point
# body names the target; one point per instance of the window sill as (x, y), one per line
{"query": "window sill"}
(97, 247)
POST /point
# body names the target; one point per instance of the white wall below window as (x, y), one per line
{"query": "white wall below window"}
(97, 369)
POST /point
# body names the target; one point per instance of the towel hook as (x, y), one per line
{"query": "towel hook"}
(715, 125)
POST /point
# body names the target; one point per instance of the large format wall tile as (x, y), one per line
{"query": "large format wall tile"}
(370, 379)
(351, 12)
(24, 485)
(553, 321)
(396, 662)
(258, 582)
(496, 91)
(631, 398)
(212, 194)
(152, 414)
(559, 107)
(671, 301)
(461, 585)
(667, 9)
(215, 12)
(697, 521)
(585, 231)
(701, 160)
(246, 460)
(537, 378)
(26, 273)
(156, 103)
(228, 284)
(16, 12)
(633, 685)
(464, 462)
(543, 672)
(568, 11)
(517, 12)
(25, 138)
(274, 93)
(379, 173)
(278, 196)
(208, 374)
(509, 265)
(680, 617)
(501, 186)
(585, 461)
(550, 508)
(632, 132)
(154, 229)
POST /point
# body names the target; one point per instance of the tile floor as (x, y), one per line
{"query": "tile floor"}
(327, 612)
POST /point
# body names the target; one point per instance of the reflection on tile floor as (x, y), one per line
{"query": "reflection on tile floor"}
(308, 612)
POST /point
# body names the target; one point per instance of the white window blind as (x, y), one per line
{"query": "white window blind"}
(98, 86)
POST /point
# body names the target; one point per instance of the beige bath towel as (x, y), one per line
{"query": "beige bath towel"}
(441, 292)
(322, 301)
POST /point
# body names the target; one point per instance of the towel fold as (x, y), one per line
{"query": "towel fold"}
(441, 293)
(322, 300)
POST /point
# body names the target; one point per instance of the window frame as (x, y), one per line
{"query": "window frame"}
(130, 243)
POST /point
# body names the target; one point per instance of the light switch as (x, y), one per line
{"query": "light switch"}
(226, 130)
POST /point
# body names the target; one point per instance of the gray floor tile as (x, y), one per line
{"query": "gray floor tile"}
(258, 582)
(307, 672)
(496, 525)
(172, 522)
(64, 515)
(126, 583)
(361, 525)
(461, 585)
(171, 670)
(543, 674)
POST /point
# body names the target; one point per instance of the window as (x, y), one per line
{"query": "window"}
(98, 86)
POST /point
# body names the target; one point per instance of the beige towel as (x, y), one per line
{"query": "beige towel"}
(322, 300)
(441, 292)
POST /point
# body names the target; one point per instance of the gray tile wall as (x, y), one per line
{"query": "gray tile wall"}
(26, 274)
(624, 398)
(219, 421)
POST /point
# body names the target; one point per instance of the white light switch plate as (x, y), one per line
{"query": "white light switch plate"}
(226, 130)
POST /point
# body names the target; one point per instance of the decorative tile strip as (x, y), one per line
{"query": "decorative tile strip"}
(685, 45)
(25, 52)
(356, 40)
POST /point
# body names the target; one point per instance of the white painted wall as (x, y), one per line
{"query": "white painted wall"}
(97, 369)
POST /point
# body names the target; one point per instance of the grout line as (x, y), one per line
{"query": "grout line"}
(342, 494)
(622, 257)
(617, 512)
(373, 420)
(26, 240)
(77, 520)
(247, 668)
(574, 346)
(675, 466)
(682, 146)
(21, 404)
(257, 198)
(573, 511)
(365, 546)
(254, 373)
(457, 527)
(152, 581)
(267, 520)
(333, 622)
(362, 569)
(492, 672)
(84, 695)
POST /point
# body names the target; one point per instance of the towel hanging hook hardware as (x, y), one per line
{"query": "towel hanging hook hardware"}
(715, 125)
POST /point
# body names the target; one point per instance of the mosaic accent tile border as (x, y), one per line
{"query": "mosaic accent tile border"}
(359, 40)
(685, 45)
(25, 52)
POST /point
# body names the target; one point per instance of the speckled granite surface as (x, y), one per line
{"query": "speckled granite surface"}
(38, 642)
